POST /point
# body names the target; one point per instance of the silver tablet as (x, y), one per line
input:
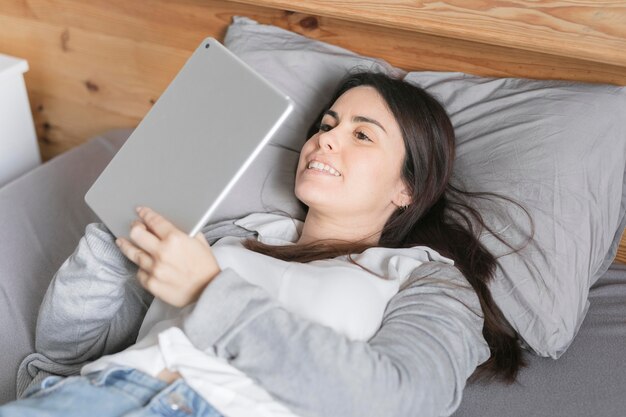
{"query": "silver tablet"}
(193, 145)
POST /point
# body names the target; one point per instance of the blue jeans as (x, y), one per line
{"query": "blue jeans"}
(112, 392)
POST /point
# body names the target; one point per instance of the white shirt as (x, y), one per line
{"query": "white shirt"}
(332, 292)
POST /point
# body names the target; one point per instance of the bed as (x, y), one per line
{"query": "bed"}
(86, 93)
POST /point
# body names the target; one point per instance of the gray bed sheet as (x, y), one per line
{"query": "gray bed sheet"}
(43, 215)
(588, 380)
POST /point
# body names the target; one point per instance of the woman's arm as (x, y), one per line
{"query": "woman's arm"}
(430, 342)
(94, 305)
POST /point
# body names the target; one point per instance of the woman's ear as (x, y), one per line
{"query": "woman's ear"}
(403, 197)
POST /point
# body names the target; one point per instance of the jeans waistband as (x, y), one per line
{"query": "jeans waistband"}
(134, 382)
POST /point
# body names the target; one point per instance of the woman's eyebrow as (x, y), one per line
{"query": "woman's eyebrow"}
(334, 115)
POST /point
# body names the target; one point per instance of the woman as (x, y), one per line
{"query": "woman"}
(375, 175)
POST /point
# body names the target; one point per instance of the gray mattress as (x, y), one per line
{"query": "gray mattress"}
(43, 215)
(588, 380)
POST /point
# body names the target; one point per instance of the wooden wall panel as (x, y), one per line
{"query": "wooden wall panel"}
(177, 23)
(93, 68)
(577, 29)
(418, 51)
(621, 251)
(88, 119)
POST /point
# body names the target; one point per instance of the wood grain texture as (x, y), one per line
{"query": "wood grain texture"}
(417, 51)
(621, 251)
(89, 120)
(589, 30)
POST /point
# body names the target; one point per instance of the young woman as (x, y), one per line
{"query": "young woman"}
(288, 322)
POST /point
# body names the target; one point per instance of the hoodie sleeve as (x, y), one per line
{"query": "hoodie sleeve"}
(94, 304)
(429, 343)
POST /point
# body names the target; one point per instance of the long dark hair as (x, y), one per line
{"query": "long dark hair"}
(438, 216)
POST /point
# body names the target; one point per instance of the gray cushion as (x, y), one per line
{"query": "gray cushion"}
(557, 147)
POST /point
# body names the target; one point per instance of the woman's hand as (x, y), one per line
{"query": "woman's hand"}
(172, 266)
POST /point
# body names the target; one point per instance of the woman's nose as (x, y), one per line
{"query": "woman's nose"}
(327, 140)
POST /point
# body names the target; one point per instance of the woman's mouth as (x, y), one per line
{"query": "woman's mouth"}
(319, 168)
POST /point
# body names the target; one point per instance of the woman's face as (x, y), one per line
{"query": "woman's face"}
(361, 140)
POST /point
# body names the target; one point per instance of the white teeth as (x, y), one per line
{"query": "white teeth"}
(323, 167)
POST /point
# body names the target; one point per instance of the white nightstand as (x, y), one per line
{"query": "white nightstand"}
(18, 141)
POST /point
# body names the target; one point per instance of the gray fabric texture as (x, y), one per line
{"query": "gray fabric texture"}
(431, 334)
(418, 362)
(588, 380)
(559, 148)
(42, 217)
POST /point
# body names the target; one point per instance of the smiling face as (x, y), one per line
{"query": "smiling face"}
(362, 143)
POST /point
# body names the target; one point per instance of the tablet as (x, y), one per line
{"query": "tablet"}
(193, 145)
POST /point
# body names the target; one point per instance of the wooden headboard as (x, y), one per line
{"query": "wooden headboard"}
(100, 64)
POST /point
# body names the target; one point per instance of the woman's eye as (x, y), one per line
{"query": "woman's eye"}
(362, 136)
(324, 127)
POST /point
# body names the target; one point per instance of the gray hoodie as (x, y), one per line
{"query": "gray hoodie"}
(417, 364)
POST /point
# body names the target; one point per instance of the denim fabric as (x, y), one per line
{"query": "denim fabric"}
(110, 393)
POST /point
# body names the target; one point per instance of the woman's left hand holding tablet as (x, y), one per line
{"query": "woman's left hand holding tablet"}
(172, 266)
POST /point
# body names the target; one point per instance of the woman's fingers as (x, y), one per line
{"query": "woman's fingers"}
(143, 238)
(161, 289)
(155, 286)
(156, 223)
(136, 255)
(200, 237)
(172, 266)
(143, 277)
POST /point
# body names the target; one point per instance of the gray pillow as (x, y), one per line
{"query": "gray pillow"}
(560, 149)
(557, 147)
